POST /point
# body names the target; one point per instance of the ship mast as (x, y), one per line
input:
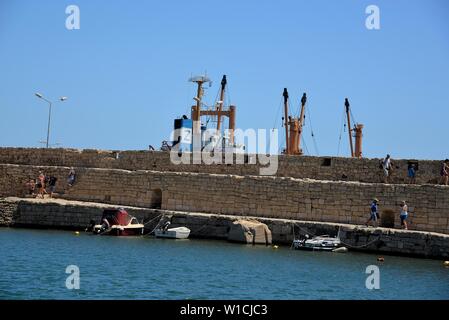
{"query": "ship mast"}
(347, 105)
(196, 110)
(293, 127)
(358, 140)
(221, 102)
(301, 120)
(287, 143)
(358, 128)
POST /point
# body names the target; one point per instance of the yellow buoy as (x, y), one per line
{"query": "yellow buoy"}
(275, 247)
(446, 263)
(77, 233)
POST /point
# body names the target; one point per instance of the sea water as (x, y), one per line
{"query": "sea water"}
(33, 265)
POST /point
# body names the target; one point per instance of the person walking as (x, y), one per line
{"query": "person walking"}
(386, 166)
(52, 185)
(41, 185)
(374, 213)
(444, 172)
(71, 178)
(404, 215)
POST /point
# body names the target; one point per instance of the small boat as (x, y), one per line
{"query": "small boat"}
(118, 222)
(173, 233)
(321, 243)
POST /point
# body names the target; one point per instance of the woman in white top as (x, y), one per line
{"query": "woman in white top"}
(404, 215)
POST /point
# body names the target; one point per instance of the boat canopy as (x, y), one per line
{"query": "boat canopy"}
(116, 217)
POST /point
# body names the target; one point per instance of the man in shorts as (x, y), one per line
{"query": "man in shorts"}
(374, 213)
(52, 185)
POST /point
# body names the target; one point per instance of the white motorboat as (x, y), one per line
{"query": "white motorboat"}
(323, 243)
(172, 233)
(117, 222)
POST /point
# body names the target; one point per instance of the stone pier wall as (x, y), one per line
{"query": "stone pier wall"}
(271, 197)
(72, 215)
(319, 168)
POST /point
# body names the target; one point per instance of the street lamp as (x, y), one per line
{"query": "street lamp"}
(40, 96)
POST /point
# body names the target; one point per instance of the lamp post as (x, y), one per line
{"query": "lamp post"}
(40, 96)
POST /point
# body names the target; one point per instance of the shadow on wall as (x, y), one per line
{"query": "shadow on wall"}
(387, 218)
(156, 199)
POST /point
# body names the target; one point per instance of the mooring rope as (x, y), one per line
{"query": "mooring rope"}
(157, 225)
(363, 245)
(153, 219)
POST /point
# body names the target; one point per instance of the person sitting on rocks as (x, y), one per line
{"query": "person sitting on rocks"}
(30, 187)
(165, 146)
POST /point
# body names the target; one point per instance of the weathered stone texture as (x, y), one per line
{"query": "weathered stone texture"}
(74, 215)
(273, 197)
(250, 231)
(319, 168)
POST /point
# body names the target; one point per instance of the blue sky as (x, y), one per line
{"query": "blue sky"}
(125, 71)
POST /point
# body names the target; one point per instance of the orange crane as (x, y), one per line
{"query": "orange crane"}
(293, 127)
(357, 131)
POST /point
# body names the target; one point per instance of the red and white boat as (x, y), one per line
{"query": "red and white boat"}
(118, 222)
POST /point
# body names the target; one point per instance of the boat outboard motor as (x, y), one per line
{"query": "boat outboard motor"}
(105, 225)
(91, 226)
(166, 225)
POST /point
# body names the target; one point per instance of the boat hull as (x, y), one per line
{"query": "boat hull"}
(317, 244)
(175, 233)
(120, 231)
